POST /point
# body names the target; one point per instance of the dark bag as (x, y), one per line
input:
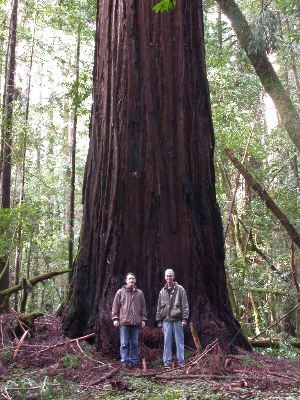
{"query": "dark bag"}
(168, 310)
(176, 313)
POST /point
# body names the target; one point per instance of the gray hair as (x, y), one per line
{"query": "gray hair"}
(169, 271)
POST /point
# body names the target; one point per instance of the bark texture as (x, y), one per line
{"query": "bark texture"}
(149, 190)
(7, 126)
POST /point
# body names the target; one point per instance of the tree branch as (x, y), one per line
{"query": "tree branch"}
(269, 202)
(32, 281)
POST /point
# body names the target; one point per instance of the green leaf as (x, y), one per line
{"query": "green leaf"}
(164, 5)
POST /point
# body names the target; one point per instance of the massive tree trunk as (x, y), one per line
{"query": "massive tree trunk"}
(149, 190)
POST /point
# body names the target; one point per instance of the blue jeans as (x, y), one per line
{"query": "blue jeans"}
(129, 344)
(173, 329)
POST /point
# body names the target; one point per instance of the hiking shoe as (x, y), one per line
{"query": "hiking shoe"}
(181, 365)
(167, 366)
(126, 366)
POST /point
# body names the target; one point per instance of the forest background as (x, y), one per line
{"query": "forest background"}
(44, 141)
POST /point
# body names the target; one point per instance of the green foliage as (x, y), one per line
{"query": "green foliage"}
(239, 115)
(48, 31)
(6, 354)
(71, 361)
(164, 5)
(264, 31)
(141, 388)
(30, 384)
(285, 351)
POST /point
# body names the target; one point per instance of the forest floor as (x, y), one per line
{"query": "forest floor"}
(45, 365)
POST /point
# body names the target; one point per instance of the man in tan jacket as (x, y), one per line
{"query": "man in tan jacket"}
(129, 313)
(172, 314)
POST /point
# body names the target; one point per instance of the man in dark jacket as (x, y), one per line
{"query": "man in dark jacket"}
(172, 314)
(129, 313)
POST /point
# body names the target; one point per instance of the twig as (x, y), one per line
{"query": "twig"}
(206, 351)
(6, 395)
(31, 387)
(20, 343)
(102, 364)
(196, 338)
(1, 332)
(67, 342)
(106, 376)
(277, 322)
(91, 387)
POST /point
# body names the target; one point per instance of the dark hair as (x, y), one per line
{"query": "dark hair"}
(129, 273)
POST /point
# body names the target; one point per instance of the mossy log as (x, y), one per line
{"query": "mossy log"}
(24, 322)
(33, 281)
(275, 343)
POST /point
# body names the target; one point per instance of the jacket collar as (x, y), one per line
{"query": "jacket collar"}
(134, 289)
(173, 288)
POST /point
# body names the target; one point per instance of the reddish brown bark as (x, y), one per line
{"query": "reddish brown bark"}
(149, 190)
(7, 141)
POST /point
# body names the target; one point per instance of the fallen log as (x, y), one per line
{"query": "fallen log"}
(265, 197)
(275, 343)
(32, 282)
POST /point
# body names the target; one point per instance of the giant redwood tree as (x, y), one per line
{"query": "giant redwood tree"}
(149, 189)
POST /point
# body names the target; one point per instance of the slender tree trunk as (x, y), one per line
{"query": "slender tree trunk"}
(220, 33)
(295, 170)
(236, 186)
(149, 189)
(264, 70)
(255, 313)
(3, 106)
(22, 171)
(73, 158)
(7, 145)
(2, 61)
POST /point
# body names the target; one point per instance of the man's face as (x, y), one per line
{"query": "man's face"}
(169, 279)
(130, 281)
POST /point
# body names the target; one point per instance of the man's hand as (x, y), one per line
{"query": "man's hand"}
(116, 323)
(184, 323)
(143, 324)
